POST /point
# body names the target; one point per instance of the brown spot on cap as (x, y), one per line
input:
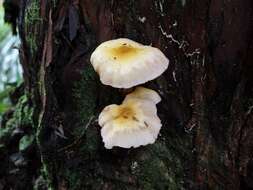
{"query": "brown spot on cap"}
(135, 119)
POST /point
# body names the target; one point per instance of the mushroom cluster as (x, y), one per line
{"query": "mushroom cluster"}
(123, 63)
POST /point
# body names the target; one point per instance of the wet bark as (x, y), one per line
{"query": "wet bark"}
(206, 141)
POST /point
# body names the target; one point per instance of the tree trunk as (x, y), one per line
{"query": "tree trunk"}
(206, 141)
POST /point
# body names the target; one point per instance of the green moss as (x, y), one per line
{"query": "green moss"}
(32, 22)
(90, 96)
(154, 175)
(31, 41)
(80, 112)
(89, 148)
(25, 142)
(7, 130)
(41, 182)
(22, 116)
(85, 98)
(157, 168)
(23, 112)
(73, 178)
(151, 167)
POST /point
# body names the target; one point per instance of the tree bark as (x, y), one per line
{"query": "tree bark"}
(206, 141)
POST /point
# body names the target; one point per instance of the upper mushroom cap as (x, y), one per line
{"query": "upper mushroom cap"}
(144, 93)
(124, 63)
(131, 124)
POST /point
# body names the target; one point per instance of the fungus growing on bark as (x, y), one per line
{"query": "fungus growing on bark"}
(131, 124)
(124, 63)
(144, 93)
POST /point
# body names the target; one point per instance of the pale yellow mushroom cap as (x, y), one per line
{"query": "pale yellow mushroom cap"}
(124, 63)
(131, 124)
(144, 93)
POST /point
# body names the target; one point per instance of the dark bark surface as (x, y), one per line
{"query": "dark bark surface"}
(206, 141)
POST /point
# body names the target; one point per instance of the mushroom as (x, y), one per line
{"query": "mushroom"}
(144, 93)
(131, 124)
(124, 63)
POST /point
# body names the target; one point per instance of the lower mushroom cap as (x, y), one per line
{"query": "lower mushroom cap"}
(132, 124)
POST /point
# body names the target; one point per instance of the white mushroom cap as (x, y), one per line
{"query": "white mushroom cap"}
(131, 124)
(123, 63)
(144, 93)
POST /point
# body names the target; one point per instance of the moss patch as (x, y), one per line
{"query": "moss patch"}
(22, 117)
(25, 142)
(32, 22)
(157, 168)
(85, 97)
